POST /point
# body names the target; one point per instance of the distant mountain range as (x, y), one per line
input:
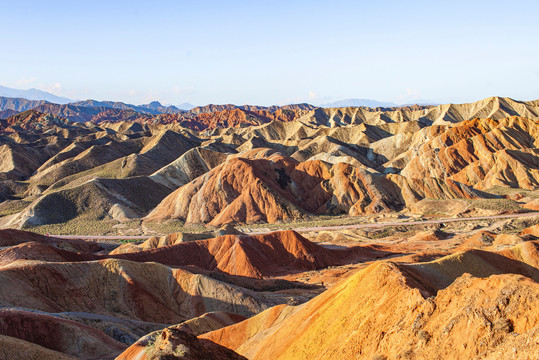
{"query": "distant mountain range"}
(153, 108)
(186, 106)
(33, 94)
(96, 111)
(22, 100)
(19, 104)
(19, 96)
(211, 108)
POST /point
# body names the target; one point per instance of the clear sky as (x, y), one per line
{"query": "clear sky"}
(272, 52)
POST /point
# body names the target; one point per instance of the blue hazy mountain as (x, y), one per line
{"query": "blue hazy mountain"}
(33, 94)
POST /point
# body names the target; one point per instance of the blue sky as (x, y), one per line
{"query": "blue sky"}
(272, 52)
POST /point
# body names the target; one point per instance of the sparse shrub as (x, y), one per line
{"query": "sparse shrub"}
(424, 336)
(502, 325)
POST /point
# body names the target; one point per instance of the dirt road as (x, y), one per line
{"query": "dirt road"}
(407, 223)
(320, 228)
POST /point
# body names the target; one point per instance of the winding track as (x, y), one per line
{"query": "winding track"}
(407, 223)
(319, 228)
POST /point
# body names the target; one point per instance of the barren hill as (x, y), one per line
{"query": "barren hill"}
(401, 255)
(251, 165)
(248, 190)
(259, 256)
(241, 296)
(387, 311)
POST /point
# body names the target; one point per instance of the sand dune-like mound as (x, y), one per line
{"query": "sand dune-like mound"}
(143, 348)
(173, 239)
(120, 199)
(93, 156)
(113, 329)
(480, 239)
(174, 343)
(58, 334)
(18, 162)
(429, 235)
(442, 272)
(10, 237)
(13, 237)
(167, 145)
(69, 151)
(526, 252)
(187, 167)
(125, 127)
(413, 190)
(12, 348)
(257, 256)
(532, 230)
(87, 157)
(532, 205)
(316, 149)
(142, 291)
(9, 188)
(386, 311)
(275, 131)
(40, 252)
(209, 322)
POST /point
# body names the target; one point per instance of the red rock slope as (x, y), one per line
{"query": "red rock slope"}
(386, 312)
(480, 152)
(248, 189)
(258, 256)
(57, 334)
